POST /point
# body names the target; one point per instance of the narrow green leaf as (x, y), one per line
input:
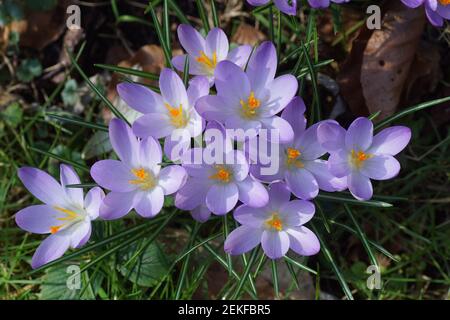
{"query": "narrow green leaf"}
(79, 122)
(214, 14)
(128, 71)
(166, 26)
(57, 157)
(246, 275)
(203, 16)
(179, 13)
(298, 264)
(160, 35)
(341, 199)
(275, 279)
(186, 71)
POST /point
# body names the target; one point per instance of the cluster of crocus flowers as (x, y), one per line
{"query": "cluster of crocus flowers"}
(271, 209)
(436, 10)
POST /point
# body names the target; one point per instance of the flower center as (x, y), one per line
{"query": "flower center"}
(274, 222)
(357, 158)
(444, 2)
(293, 156)
(69, 218)
(177, 117)
(222, 174)
(207, 62)
(144, 179)
(250, 107)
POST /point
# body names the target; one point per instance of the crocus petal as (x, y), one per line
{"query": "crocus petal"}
(217, 42)
(124, 142)
(150, 203)
(192, 194)
(257, 3)
(198, 87)
(38, 219)
(69, 176)
(222, 198)
(286, 133)
(391, 141)
(239, 164)
(191, 40)
(78, 233)
(242, 240)
(116, 204)
(360, 186)
(86, 237)
(173, 89)
(231, 82)
(275, 244)
(156, 125)
(262, 66)
(279, 194)
(433, 16)
(297, 212)
(201, 213)
(93, 201)
(285, 7)
(113, 175)
(331, 136)
(42, 186)
(176, 144)
(140, 98)
(249, 216)
(308, 144)
(150, 154)
(326, 181)
(213, 108)
(248, 128)
(338, 164)
(303, 241)
(194, 67)
(52, 248)
(413, 3)
(294, 114)
(239, 55)
(359, 135)
(302, 184)
(171, 178)
(281, 91)
(319, 3)
(252, 193)
(381, 167)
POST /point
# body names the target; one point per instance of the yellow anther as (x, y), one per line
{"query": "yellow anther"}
(293, 158)
(144, 179)
(358, 158)
(177, 117)
(274, 222)
(209, 63)
(250, 107)
(222, 174)
(444, 2)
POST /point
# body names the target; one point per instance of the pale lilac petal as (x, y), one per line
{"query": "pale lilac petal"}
(381, 167)
(201, 213)
(176, 144)
(93, 201)
(86, 237)
(198, 87)
(286, 7)
(239, 164)
(262, 66)
(279, 194)
(359, 135)
(213, 108)
(360, 186)
(43, 186)
(231, 82)
(302, 184)
(150, 155)
(195, 68)
(391, 141)
(297, 212)
(173, 89)
(240, 55)
(308, 144)
(78, 233)
(252, 193)
(303, 241)
(191, 40)
(294, 114)
(327, 181)
(248, 216)
(149, 203)
(331, 136)
(246, 129)
(113, 175)
(282, 90)
(275, 244)
(69, 176)
(257, 3)
(38, 219)
(284, 129)
(338, 164)
(156, 125)
(192, 194)
(52, 248)
(116, 205)
(242, 240)
(124, 142)
(217, 42)
(140, 98)
(171, 179)
(222, 198)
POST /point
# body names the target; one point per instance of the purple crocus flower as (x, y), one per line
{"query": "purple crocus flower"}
(300, 164)
(360, 156)
(137, 180)
(278, 226)
(324, 3)
(65, 214)
(290, 7)
(170, 115)
(205, 54)
(250, 100)
(217, 187)
(437, 10)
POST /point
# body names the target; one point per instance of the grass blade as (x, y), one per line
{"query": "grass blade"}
(166, 26)
(57, 157)
(275, 279)
(214, 14)
(246, 274)
(202, 13)
(79, 122)
(160, 35)
(341, 199)
(298, 264)
(128, 71)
